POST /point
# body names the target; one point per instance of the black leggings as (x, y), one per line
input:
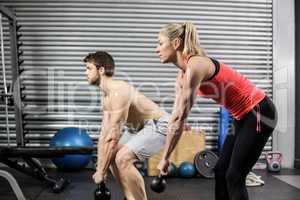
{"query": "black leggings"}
(242, 149)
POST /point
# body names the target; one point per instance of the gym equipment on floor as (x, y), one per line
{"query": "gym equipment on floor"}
(186, 170)
(102, 192)
(273, 160)
(205, 162)
(21, 157)
(75, 137)
(158, 184)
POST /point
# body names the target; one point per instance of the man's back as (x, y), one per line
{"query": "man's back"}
(140, 108)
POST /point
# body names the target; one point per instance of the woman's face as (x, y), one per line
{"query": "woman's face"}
(165, 49)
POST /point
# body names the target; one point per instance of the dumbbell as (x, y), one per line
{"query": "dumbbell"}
(102, 192)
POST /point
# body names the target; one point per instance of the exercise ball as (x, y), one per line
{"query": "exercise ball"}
(187, 170)
(71, 137)
(172, 169)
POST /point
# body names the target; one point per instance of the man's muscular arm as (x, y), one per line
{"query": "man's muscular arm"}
(113, 120)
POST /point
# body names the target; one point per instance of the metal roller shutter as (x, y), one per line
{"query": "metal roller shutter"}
(58, 34)
(6, 59)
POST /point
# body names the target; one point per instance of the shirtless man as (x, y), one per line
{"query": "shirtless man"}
(123, 105)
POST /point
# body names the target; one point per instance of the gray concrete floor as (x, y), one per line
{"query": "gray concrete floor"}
(82, 187)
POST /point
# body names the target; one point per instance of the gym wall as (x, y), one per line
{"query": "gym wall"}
(57, 34)
(284, 79)
(297, 136)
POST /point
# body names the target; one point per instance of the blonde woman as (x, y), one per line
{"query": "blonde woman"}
(200, 75)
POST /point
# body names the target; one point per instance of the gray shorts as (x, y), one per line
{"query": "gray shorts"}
(149, 140)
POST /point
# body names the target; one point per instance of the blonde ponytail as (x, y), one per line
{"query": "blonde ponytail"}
(187, 32)
(191, 41)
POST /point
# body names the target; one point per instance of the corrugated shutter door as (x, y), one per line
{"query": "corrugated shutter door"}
(58, 34)
(6, 47)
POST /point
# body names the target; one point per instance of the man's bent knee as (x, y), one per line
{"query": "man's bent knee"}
(125, 157)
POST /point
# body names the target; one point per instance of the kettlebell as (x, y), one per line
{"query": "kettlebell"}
(158, 184)
(102, 192)
(274, 161)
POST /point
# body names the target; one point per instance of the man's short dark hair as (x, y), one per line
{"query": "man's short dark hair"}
(102, 59)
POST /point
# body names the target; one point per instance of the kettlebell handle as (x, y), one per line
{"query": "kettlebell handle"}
(269, 155)
(102, 185)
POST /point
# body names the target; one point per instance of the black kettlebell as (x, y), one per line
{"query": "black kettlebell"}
(158, 184)
(102, 192)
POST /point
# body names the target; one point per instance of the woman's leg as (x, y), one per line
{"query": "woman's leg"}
(248, 146)
(221, 167)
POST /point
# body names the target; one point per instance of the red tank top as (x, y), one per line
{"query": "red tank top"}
(232, 90)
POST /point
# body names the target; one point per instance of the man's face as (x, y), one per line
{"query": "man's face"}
(92, 74)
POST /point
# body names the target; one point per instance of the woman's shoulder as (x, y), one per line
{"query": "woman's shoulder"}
(197, 61)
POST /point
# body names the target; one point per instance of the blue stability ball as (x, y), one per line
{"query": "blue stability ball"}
(187, 170)
(71, 137)
(172, 169)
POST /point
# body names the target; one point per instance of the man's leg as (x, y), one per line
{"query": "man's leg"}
(144, 144)
(130, 178)
(114, 169)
